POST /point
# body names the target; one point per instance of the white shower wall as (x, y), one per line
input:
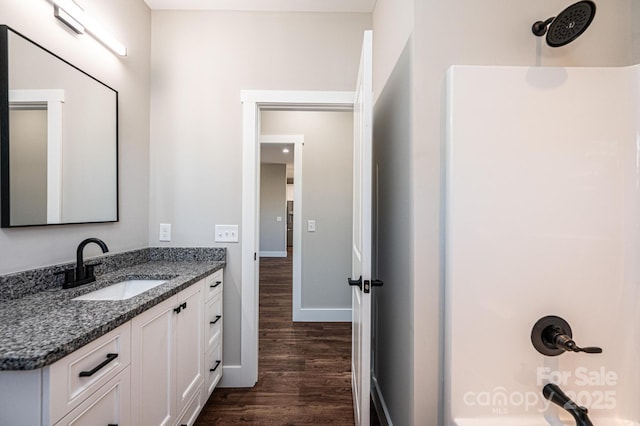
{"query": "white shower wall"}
(542, 213)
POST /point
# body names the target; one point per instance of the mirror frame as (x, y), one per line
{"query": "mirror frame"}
(5, 210)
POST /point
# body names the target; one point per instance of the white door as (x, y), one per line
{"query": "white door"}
(361, 244)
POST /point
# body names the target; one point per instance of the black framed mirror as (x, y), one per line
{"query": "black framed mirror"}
(58, 139)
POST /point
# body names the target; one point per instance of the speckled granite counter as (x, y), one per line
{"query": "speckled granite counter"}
(38, 329)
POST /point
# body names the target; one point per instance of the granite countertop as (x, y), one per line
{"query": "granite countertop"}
(39, 329)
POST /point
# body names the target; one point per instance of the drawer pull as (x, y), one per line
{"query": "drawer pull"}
(111, 424)
(110, 357)
(216, 284)
(217, 319)
(216, 367)
(180, 308)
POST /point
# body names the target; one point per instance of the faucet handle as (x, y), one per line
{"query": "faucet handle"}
(89, 269)
(69, 275)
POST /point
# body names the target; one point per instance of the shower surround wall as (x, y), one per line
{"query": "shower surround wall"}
(542, 218)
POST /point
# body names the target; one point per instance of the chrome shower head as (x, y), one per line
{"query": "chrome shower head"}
(568, 25)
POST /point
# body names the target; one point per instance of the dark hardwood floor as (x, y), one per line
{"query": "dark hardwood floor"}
(304, 368)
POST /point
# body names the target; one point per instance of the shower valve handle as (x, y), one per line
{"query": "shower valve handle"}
(559, 339)
(591, 350)
(552, 336)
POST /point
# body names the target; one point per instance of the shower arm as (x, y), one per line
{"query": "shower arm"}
(540, 28)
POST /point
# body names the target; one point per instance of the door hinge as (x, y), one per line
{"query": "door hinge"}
(255, 256)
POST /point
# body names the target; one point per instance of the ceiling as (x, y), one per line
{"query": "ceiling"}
(362, 6)
(272, 153)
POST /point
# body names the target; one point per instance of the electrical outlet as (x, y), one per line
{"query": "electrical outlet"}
(165, 232)
(226, 234)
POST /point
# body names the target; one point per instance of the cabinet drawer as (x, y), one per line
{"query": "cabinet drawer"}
(213, 320)
(214, 283)
(213, 367)
(72, 379)
(190, 414)
(108, 406)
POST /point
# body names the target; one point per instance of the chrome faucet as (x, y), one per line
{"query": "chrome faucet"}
(553, 393)
(82, 274)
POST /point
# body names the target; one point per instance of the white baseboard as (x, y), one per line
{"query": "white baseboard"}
(233, 376)
(322, 315)
(273, 253)
(379, 404)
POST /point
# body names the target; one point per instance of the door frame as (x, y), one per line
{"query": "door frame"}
(253, 101)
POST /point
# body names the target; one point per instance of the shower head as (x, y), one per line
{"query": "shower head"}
(568, 25)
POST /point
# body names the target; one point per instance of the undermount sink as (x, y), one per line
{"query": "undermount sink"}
(122, 290)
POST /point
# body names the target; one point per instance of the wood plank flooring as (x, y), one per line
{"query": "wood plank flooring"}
(304, 368)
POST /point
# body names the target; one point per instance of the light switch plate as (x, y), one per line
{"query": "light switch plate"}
(226, 234)
(165, 232)
(311, 225)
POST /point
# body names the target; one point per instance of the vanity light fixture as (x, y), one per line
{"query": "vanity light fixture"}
(72, 15)
(72, 23)
(285, 150)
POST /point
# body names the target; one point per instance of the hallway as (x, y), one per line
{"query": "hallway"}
(304, 368)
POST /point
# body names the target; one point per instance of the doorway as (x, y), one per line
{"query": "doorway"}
(254, 102)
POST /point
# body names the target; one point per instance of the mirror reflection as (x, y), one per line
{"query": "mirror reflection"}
(59, 156)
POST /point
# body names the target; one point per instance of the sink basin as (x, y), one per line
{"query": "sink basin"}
(122, 290)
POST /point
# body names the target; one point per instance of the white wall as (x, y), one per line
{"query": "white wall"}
(464, 32)
(393, 25)
(200, 63)
(327, 163)
(129, 21)
(273, 204)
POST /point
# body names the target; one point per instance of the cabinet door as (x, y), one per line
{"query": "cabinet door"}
(152, 384)
(189, 344)
(108, 406)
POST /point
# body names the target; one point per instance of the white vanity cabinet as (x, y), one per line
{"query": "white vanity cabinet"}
(90, 386)
(157, 369)
(167, 354)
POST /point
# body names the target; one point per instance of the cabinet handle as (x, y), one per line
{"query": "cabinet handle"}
(216, 367)
(216, 284)
(217, 319)
(180, 308)
(110, 357)
(112, 424)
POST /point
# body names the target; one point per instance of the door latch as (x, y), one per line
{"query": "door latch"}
(366, 285)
